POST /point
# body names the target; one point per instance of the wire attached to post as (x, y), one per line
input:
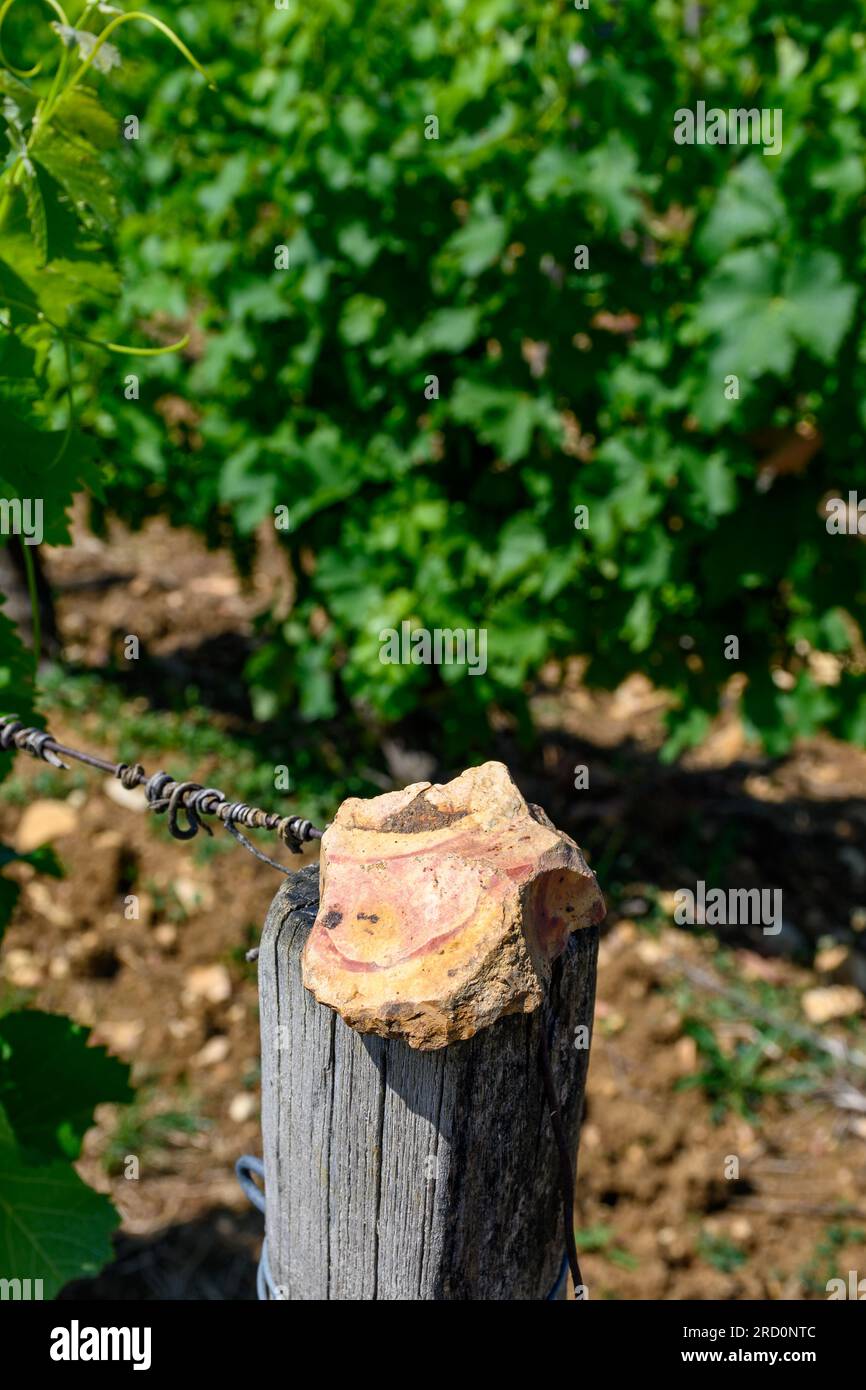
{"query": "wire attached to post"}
(566, 1172)
(166, 795)
(267, 1291)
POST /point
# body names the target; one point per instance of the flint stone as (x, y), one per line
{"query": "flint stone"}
(443, 908)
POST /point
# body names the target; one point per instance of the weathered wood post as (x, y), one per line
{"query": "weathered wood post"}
(411, 1155)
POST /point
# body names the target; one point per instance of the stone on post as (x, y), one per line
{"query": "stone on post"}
(404, 985)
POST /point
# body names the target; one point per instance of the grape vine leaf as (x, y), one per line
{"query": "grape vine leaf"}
(757, 314)
(51, 1081)
(53, 1226)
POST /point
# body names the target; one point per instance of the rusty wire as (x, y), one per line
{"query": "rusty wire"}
(164, 794)
(566, 1170)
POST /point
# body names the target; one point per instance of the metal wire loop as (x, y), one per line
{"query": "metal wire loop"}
(164, 794)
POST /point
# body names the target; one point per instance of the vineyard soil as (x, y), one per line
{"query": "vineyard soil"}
(172, 992)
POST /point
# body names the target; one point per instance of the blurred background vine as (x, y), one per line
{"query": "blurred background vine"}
(558, 387)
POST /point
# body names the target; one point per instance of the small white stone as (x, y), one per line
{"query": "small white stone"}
(42, 822)
(131, 798)
(833, 1001)
(242, 1107)
(215, 1050)
(209, 982)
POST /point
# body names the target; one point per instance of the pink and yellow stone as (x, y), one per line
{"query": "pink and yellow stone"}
(443, 907)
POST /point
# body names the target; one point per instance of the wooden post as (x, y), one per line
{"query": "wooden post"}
(395, 1173)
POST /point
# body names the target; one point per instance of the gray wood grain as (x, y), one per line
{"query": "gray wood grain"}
(398, 1174)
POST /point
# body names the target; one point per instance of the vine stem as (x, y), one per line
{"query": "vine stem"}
(39, 316)
(34, 605)
(45, 108)
(34, 71)
(115, 23)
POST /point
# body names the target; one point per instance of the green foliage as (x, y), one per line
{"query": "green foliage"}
(43, 860)
(142, 1131)
(454, 257)
(738, 1079)
(53, 1227)
(722, 1254)
(58, 209)
(824, 1264)
(601, 1240)
(54, 1082)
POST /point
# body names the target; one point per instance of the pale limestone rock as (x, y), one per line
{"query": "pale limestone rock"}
(41, 900)
(211, 983)
(443, 908)
(42, 822)
(122, 1036)
(242, 1107)
(832, 960)
(22, 969)
(215, 1050)
(130, 798)
(832, 1001)
(192, 895)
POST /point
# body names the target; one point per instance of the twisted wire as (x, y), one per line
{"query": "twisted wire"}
(165, 795)
(266, 1290)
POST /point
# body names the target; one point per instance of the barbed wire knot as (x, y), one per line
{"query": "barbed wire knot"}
(13, 734)
(164, 795)
(130, 775)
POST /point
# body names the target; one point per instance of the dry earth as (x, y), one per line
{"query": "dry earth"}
(172, 993)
